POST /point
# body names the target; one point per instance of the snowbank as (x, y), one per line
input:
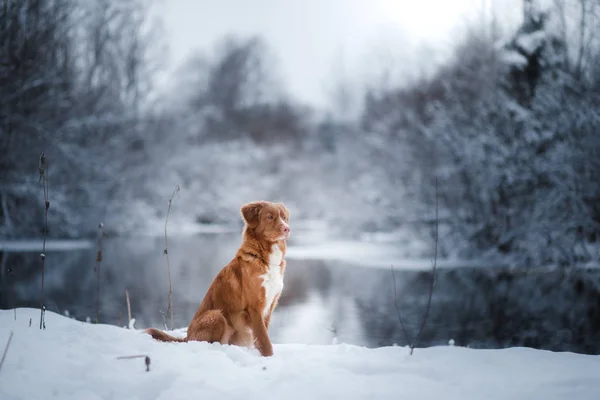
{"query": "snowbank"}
(76, 360)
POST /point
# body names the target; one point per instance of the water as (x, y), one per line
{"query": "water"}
(324, 301)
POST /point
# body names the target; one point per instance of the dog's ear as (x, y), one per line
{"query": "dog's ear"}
(250, 213)
(285, 210)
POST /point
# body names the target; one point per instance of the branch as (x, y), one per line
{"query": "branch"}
(560, 6)
(97, 269)
(434, 267)
(128, 308)
(6, 349)
(582, 28)
(166, 253)
(43, 169)
(9, 273)
(146, 359)
(398, 309)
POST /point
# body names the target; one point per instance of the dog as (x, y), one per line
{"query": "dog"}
(238, 305)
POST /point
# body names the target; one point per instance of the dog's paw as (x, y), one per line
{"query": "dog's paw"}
(267, 350)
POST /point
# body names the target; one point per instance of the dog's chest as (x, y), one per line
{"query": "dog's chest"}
(273, 279)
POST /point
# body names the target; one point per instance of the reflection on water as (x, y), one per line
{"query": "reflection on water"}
(323, 301)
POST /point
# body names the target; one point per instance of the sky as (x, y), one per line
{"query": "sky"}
(320, 42)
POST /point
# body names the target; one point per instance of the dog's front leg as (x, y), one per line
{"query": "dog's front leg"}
(273, 305)
(260, 333)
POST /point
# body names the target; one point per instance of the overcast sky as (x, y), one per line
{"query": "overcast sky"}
(316, 40)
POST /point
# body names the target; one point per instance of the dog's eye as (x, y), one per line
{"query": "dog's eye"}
(270, 216)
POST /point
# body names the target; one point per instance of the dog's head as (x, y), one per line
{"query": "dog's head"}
(267, 220)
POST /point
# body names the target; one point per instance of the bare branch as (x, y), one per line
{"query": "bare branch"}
(145, 357)
(97, 269)
(43, 170)
(434, 266)
(560, 7)
(128, 307)
(582, 28)
(9, 273)
(166, 253)
(6, 349)
(398, 309)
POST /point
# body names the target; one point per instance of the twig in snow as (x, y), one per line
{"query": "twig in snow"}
(12, 290)
(43, 169)
(166, 253)
(434, 265)
(146, 359)
(164, 319)
(9, 271)
(129, 357)
(6, 349)
(128, 308)
(97, 269)
(398, 310)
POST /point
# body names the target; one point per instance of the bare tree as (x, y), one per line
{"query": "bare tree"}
(73, 77)
(236, 91)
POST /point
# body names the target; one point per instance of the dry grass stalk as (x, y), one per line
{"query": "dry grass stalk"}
(434, 266)
(43, 169)
(97, 269)
(166, 253)
(6, 349)
(9, 273)
(145, 357)
(128, 307)
(12, 291)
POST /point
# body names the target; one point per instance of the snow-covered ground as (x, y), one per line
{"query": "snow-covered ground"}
(77, 360)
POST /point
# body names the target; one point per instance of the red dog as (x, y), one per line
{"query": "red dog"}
(238, 305)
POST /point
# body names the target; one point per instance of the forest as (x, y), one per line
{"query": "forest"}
(505, 135)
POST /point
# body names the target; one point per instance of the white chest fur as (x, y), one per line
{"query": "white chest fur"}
(272, 279)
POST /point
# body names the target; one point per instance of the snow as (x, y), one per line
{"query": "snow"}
(514, 58)
(530, 42)
(77, 360)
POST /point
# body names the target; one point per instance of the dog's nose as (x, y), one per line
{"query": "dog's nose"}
(286, 229)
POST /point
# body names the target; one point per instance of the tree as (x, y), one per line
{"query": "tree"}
(72, 77)
(235, 94)
(502, 131)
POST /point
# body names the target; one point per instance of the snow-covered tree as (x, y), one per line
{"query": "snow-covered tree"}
(509, 130)
(72, 77)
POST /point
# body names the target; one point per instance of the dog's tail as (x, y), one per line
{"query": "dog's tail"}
(162, 336)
